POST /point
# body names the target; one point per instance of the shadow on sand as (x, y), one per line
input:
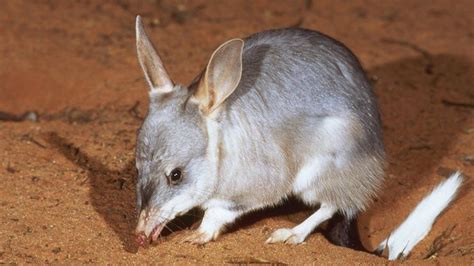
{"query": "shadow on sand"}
(114, 201)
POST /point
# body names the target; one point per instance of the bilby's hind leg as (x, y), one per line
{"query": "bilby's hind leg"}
(298, 234)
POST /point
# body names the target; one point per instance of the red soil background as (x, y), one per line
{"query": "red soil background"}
(67, 192)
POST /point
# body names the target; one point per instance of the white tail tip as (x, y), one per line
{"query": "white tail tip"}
(419, 222)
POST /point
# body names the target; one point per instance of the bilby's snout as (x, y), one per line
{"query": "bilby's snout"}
(140, 233)
(148, 226)
(141, 224)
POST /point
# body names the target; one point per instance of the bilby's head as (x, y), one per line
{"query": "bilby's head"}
(175, 152)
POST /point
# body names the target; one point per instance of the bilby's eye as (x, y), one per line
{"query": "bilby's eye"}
(175, 176)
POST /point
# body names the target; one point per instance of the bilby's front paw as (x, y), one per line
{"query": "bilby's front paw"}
(285, 235)
(198, 237)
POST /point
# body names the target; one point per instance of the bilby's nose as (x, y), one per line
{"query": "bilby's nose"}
(141, 239)
(140, 234)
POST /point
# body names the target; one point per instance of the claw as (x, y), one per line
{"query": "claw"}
(198, 238)
(285, 235)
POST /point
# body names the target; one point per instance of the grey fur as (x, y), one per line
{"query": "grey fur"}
(301, 95)
(292, 80)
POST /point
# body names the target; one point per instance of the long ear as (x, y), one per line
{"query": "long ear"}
(155, 72)
(222, 76)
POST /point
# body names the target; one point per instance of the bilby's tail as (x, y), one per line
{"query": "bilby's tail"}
(401, 241)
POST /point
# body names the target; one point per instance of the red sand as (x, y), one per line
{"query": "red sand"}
(67, 191)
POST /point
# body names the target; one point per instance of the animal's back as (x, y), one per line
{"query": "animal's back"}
(293, 72)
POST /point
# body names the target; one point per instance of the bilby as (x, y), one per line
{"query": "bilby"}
(286, 112)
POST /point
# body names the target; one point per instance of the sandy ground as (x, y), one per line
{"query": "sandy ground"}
(67, 191)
